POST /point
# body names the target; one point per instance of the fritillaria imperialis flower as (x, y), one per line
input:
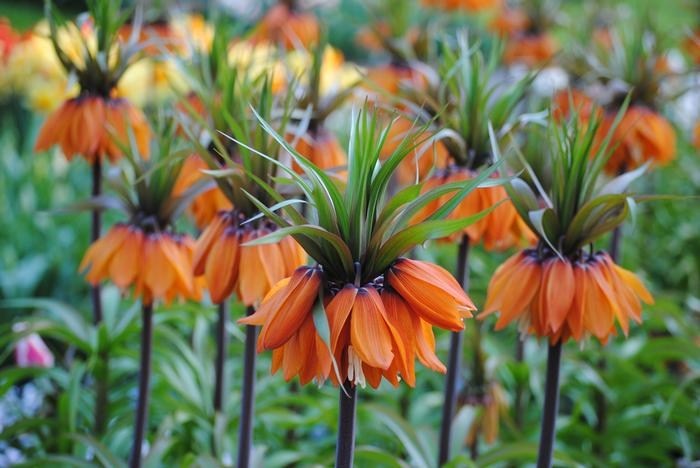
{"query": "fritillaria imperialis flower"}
(88, 125)
(285, 25)
(500, 229)
(530, 49)
(467, 5)
(417, 166)
(696, 135)
(467, 78)
(560, 290)
(322, 148)
(249, 270)
(158, 265)
(641, 136)
(145, 253)
(209, 202)
(222, 255)
(362, 312)
(95, 123)
(563, 299)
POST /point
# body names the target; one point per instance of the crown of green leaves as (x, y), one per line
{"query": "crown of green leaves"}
(579, 206)
(359, 225)
(466, 96)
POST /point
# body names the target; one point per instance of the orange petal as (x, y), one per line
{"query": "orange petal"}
(369, 332)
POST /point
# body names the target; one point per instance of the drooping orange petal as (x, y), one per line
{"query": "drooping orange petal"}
(221, 268)
(338, 310)
(127, 263)
(206, 242)
(286, 321)
(521, 290)
(558, 290)
(369, 332)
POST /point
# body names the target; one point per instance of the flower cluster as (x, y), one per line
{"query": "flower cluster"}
(157, 264)
(376, 330)
(250, 270)
(561, 298)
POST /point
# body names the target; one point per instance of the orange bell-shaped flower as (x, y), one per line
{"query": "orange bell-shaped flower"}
(87, 126)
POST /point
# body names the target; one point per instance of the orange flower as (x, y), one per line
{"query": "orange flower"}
(499, 230)
(642, 134)
(376, 330)
(692, 46)
(158, 265)
(249, 270)
(391, 78)
(561, 299)
(509, 22)
(291, 29)
(8, 39)
(321, 148)
(86, 125)
(205, 205)
(288, 328)
(530, 49)
(468, 5)
(432, 292)
(696, 135)
(426, 157)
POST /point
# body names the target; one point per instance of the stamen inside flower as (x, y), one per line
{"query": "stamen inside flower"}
(355, 373)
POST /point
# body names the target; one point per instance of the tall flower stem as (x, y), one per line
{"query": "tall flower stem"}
(95, 228)
(478, 382)
(245, 427)
(144, 385)
(454, 361)
(345, 446)
(102, 369)
(220, 363)
(519, 390)
(551, 406)
(101, 392)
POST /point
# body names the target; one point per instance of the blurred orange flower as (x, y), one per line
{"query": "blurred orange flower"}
(8, 39)
(205, 205)
(321, 147)
(158, 265)
(250, 271)
(562, 299)
(501, 229)
(468, 5)
(530, 49)
(642, 134)
(509, 22)
(426, 157)
(283, 25)
(87, 126)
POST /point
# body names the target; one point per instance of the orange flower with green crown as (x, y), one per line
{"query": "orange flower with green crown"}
(325, 83)
(562, 289)
(89, 124)
(221, 254)
(634, 63)
(145, 253)
(362, 311)
(464, 98)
